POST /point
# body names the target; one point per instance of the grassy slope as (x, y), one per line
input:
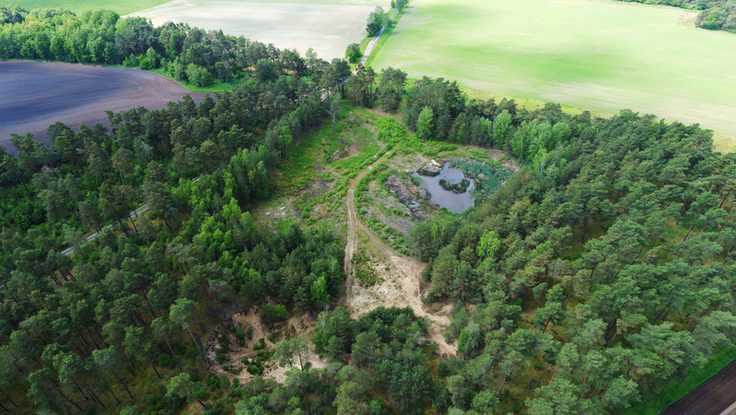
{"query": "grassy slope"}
(590, 54)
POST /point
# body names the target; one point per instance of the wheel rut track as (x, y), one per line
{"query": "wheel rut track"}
(401, 283)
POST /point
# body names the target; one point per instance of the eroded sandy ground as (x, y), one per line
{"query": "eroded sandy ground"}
(300, 326)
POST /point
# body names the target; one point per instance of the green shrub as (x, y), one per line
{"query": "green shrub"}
(240, 336)
(163, 360)
(199, 76)
(261, 345)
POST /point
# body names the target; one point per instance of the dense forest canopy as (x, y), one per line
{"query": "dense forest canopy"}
(600, 272)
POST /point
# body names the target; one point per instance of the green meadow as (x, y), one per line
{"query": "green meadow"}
(597, 55)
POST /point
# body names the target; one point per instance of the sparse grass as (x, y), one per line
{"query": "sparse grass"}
(364, 272)
(724, 143)
(584, 54)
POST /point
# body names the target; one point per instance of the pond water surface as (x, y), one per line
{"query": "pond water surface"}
(454, 202)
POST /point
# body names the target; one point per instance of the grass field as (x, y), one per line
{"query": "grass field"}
(328, 28)
(598, 55)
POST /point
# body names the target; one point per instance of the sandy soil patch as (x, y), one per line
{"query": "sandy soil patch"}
(298, 326)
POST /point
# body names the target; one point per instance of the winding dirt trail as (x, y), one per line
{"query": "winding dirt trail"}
(400, 278)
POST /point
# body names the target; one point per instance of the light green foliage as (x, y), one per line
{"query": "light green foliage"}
(425, 124)
(320, 296)
(352, 54)
(488, 245)
(198, 75)
(376, 20)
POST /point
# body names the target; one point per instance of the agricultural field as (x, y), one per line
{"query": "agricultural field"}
(82, 93)
(130, 6)
(326, 27)
(597, 55)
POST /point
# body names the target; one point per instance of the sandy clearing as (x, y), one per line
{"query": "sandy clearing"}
(298, 326)
(327, 28)
(34, 95)
(400, 279)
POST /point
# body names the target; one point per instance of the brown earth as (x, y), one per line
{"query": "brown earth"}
(34, 95)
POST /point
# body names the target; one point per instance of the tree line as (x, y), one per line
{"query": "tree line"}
(713, 15)
(185, 53)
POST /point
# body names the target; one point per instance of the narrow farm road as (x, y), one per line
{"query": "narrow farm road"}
(373, 42)
(400, 281)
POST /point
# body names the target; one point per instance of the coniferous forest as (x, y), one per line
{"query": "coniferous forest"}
(601, 271)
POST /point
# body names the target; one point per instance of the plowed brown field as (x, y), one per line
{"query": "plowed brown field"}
(34, 95)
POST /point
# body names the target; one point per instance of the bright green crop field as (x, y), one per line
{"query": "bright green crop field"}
(591, 54)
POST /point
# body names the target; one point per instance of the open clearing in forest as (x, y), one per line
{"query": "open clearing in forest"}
(599, 55)
(35, 95)
(326, 27)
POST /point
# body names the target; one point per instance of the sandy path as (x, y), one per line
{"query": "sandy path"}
(401, 281)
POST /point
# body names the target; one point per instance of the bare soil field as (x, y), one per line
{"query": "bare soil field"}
(34, 95)
(327, 28)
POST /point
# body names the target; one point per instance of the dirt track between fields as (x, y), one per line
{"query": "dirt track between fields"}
(34, 95)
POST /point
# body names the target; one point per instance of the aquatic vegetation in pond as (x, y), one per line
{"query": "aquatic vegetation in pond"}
(460, 187)
(487, 179)
(452, 201)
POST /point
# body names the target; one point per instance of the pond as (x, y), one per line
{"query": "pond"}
(454, 202)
